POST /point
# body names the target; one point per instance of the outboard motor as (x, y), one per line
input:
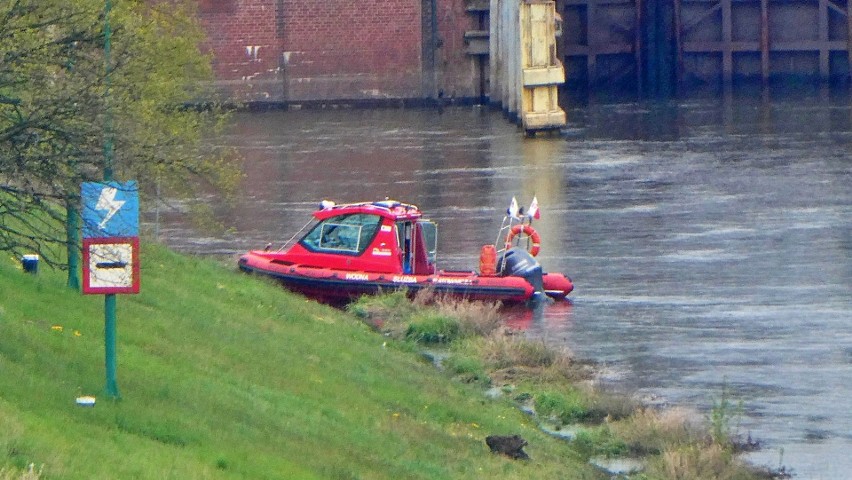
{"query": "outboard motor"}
(518, 262)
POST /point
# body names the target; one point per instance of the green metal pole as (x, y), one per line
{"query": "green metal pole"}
(72, 234)
(109, 346)
(109, 299)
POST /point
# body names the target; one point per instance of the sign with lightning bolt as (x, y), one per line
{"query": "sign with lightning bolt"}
(110, 209)
(110, 237)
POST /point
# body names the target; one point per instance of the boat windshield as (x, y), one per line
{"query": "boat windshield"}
(349, 234)
(430, 238)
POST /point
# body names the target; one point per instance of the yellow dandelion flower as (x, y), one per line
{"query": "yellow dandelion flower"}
(77, 333)
(56, 328)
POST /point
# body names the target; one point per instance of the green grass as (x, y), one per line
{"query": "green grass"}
(226, 376)
(432, 327)
(567, 406)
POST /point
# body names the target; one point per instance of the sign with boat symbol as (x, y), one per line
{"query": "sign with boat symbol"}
(111, 265)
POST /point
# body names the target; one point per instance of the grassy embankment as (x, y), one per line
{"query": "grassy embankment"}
(473, 346)
(227, 376)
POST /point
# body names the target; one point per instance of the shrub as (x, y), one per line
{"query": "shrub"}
(432, 327)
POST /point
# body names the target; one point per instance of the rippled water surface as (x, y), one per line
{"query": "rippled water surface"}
(710, 240)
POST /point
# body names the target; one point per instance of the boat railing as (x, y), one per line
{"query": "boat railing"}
(288, 242)
(503, 233)
(502, 243)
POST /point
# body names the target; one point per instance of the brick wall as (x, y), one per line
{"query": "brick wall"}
(245, 40)
(312, 50)
(457, 73)
(344, 49)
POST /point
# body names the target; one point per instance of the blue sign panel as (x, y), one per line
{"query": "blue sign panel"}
(110, 209)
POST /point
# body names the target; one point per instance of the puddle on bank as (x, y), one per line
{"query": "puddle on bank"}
(618, 466)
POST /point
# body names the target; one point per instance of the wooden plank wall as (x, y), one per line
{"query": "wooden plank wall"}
(525, 68)
(609, 42)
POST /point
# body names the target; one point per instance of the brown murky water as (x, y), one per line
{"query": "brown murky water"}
(710, 240)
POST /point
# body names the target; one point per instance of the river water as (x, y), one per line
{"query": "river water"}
(710, 239)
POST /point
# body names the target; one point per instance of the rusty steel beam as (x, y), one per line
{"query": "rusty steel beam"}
(849, 35)
(594, 50)
(598, 30)
(823, 38)
(637, 48)
(580, 3)
(678, 38)
(700, 18)
(753, 46)
(727, 39)
(591, 38)
(837, 8)
(764, 41)
(691, 22)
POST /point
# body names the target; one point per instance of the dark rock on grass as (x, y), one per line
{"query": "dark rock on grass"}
(512, 446)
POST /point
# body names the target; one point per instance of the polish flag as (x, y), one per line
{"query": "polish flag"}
(513, 208)
(533, 211)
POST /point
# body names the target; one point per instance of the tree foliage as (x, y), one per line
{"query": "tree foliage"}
(56, 93)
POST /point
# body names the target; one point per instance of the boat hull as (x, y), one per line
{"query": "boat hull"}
(332, 285)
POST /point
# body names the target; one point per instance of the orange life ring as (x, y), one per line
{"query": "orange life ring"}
(530, 232)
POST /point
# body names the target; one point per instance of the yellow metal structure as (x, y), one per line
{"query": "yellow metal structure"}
(525, 70)
(542, 71)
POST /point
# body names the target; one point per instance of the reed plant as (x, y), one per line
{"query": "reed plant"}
(513, 358)
(476, 319)
(697, 461)
(723, 415)
(28, 473)
(651, 431)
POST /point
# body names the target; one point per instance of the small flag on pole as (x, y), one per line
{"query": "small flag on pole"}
(533, 211)
(513, 209)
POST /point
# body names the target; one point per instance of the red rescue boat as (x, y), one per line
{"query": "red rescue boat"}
(365, 248)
